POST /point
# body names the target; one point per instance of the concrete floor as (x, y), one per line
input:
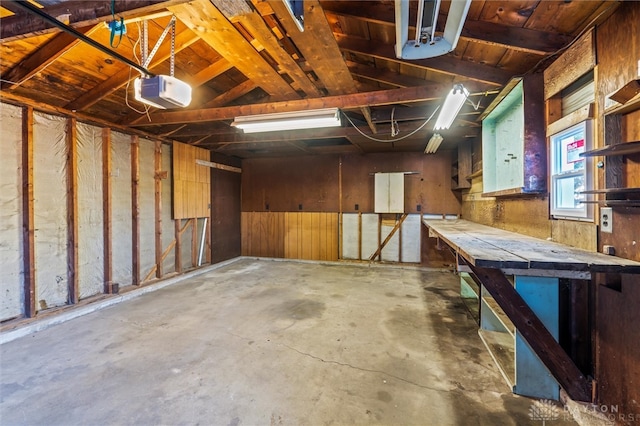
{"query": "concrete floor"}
(266, 343)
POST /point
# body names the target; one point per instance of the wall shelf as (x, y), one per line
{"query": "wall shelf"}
(514, 153)
(624, 148)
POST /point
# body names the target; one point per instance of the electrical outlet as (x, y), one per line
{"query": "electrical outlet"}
(606, 219)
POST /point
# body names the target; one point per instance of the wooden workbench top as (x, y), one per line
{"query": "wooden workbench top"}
(488, 247)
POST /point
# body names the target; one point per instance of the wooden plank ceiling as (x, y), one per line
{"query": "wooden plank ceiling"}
(248, 57)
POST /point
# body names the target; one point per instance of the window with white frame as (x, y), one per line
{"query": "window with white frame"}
(569, 172)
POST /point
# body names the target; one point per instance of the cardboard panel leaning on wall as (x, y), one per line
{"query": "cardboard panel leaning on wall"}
(50, 210)
(121, 208)
(11, 280)
(90, 220)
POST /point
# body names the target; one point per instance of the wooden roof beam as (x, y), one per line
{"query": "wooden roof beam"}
(184, 39)
(80, 14)
(483, 32)
(203, 18)
(446, 64)
(318, 46)
(42, 57)
(354, 100)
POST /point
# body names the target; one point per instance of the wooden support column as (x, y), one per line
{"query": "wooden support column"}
(535, 333)
(359, 235)
(106, 211)
(72, 212)
(178, 236)
(340, 225)
(157, 160)
(135, 210)
(27, 214)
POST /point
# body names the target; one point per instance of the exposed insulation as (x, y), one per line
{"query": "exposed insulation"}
(11, 259)
(90, 214)
(50, 210)
(147, 207)
(391, 251)
(168, 229)
(121, 222)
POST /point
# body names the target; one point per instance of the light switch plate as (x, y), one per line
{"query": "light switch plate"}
(606, 219)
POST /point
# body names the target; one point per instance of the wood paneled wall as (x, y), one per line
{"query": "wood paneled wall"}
(311, 183)
(191, 182)
(225, 211)
(290, 235)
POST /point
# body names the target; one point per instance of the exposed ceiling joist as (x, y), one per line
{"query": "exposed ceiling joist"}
(42, 57)
(184, 39)
(318, 46)
(212, 26)
(80, 14)
(354, 100)
(483, 32)
(445, 64)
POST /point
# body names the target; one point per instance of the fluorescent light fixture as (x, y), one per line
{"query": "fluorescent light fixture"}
(451, 107)
(426, 44)
(433, 144)
(311, 119)
(162, 91)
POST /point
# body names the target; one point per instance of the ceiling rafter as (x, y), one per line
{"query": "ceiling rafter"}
(213, 27)
(446, 64)
(80, 14)
(256, 26)
(354, 100)
(184, 39)
(42, 57)
(483, 32)
(319, 48)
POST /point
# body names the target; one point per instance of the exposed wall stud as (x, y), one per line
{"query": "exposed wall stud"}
(157, 159)
(72, 212)
(27, 214)
(106, 210)
(135, 210)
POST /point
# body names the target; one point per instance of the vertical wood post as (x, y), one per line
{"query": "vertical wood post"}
(340, 216)
(157, 160)
(135, 210)
(27, 214)
(72, 212)
(106, 211)
(178, 254)
(359, 235)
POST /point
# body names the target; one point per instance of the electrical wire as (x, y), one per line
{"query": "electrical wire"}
(134, 46)
(397, 139)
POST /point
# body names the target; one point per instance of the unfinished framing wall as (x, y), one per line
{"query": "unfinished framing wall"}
(85, 211)
(11, 252)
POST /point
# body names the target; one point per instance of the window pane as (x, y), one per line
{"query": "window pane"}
(567, 192)
(570, 148)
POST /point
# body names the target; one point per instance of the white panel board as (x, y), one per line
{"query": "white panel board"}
(381, 193)
(121, 222)
(411, 239)
(50, 210)
(90, 214)
(350, 236)
(11, 278)
(369, 235)
(390, 252)
(389, 193)
(396, 193)
(147, 207)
